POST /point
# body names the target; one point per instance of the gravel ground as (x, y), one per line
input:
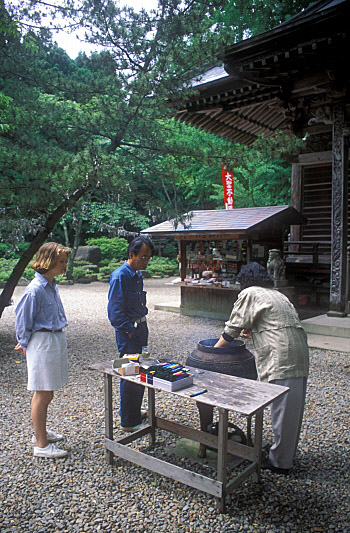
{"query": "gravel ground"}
(82, 493)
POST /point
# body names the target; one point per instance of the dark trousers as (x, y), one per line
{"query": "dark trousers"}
(131, 394)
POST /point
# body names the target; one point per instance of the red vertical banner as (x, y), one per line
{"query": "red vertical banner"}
(227, 183)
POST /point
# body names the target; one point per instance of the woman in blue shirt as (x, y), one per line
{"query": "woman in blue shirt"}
(40, 319)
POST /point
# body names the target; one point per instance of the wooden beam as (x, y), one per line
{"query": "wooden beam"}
(314, 158)
(210, 236)
(164, 468)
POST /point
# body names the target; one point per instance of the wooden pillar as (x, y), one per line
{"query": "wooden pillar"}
(108, 415)
(222, 457)
(295, 234)
(338, 296)
(183, 259)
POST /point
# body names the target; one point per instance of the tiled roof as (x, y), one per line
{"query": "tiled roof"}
(243, 219)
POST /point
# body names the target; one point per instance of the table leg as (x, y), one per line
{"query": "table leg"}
(222, 456)
(249, 431)
(258, 443)
(152, 414)
(108, 415)
(206, 419)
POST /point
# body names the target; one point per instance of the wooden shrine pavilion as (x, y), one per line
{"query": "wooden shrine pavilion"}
(294, 78)
(221, 241)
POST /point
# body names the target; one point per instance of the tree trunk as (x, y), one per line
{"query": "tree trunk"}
(74, 249)
(65, 230)
(34, 246)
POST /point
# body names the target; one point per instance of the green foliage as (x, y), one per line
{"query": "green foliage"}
(262, 173)
(170, 250)
(6, 267)
(107, 270)
(60, 278)
(4, 103)
(114, 249)
(162, 266)
(240, 19)
(29, 273)
(91, 122)
(104, 122)
(79, 272)
(81, 263)
(112, 216)
(10, 251)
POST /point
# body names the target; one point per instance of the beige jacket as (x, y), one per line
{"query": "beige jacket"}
(280, 342)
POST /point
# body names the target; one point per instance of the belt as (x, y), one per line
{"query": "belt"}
(51, 330)
(139, 320)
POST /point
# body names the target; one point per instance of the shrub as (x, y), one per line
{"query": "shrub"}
(61, 277)
(6, 247)
(114, 249)
(170, 250)
(81, 263)
(107, 270)
(79, 272)
(162, 266)
(29, 273)
(6, 267)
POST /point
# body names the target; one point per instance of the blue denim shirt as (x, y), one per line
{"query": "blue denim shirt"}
(40, 307)
(126, 298)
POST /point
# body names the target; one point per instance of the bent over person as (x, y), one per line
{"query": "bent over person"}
(281, 354)
(40, 319)
(127, 313)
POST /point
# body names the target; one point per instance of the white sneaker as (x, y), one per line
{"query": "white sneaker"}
(52, 436)
(51, 451)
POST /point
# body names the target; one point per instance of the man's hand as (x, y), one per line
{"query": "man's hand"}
(221, 342)
(246, 333)
(19, 348)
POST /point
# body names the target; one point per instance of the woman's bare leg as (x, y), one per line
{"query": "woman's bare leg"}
(40, 402)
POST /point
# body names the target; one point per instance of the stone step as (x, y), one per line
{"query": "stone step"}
(172, 307)
(327, 326)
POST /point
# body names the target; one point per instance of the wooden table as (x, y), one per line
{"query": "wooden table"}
(227, 393)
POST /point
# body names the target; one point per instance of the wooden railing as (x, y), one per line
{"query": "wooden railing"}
(313, 249)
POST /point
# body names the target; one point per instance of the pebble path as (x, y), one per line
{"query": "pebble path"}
(81, 493)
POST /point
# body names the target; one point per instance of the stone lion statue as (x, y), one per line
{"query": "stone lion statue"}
(275, 266)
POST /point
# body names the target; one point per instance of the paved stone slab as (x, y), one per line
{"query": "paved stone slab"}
(326, 325)
(328, 342)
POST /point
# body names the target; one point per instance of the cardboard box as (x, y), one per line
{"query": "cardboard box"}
(128, 369)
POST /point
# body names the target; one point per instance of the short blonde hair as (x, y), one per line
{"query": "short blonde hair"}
(48, 255)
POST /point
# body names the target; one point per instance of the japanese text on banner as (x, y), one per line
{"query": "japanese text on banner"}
(227, 183)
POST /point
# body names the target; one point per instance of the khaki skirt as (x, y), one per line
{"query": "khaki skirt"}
(47, 361)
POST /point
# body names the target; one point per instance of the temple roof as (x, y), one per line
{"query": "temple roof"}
(278, 79)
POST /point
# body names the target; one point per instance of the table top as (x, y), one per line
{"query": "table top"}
(244, 396)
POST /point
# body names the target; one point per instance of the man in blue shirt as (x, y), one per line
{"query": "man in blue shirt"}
(127, 313)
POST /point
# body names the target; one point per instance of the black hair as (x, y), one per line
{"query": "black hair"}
(254, 274)
(136, 244)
